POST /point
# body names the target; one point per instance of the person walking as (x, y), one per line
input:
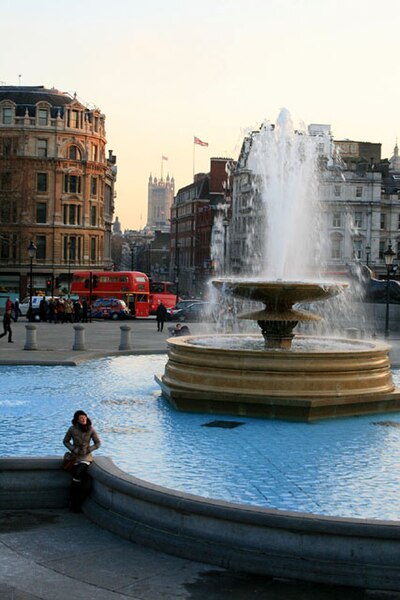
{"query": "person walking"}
(7, 326)
(81, 440)
(69, 310)
(17, 310)
(85, 310)
(161, 316)
(43, 309)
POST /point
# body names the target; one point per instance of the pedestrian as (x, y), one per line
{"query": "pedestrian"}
(81, 440)
(85, 310)
(68, 310)
(77, 310)
(17, 310)
(43, 309)
(161, 316)
(9, 305)
(52, 308)
(7, 326)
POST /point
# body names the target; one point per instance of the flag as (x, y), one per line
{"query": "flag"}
(199, 142)
(164, 158)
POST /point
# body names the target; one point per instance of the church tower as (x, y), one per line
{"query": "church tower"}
(160, 198)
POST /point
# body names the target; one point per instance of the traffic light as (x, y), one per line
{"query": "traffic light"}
(48, 284)
(95, 281)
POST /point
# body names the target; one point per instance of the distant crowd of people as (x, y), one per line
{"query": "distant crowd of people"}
(64, 310)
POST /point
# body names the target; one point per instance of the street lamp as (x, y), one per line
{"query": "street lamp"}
(389, 256)
(225, 223)
(368, 252)
(31, 252)
(69, 267)
(177, 257)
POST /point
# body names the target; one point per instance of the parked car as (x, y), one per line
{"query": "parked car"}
(110, 308)
(181, 304)
(197, 311)
(24, 306)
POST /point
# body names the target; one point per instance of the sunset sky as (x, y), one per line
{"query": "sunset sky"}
(163, 72)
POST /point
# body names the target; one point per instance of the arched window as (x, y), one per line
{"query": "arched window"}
(74, 153)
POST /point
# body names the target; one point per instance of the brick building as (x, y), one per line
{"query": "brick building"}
(56, 188)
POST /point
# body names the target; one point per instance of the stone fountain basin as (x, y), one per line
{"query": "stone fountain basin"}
(318, 380)
(280, 293)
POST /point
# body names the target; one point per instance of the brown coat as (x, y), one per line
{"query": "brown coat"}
(78, 443)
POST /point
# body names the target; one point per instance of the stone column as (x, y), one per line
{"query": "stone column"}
(79, 343)
(125, 343)
(31, 341)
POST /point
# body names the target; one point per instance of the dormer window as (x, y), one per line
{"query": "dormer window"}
(7, 116)
(43, 116)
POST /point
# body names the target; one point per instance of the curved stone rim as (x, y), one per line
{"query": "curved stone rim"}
(359, 345)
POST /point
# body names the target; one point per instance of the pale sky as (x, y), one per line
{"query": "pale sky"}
(163, 72)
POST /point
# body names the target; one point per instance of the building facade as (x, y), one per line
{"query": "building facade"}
(193, 215)
(159, 202)
(56, 189)
(359, 194)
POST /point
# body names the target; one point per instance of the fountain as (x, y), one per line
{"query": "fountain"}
(291, 376)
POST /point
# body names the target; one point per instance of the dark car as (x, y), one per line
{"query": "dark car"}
(109, 308)
(198, 311)
(181, 304)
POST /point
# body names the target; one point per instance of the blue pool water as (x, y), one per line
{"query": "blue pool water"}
(345, 467)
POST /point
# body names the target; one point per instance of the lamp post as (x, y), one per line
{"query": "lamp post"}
(225, 223)
(177, 265)
(69, 267)
(132, 258)
(368, 252)
(389, 256)
(31, 252)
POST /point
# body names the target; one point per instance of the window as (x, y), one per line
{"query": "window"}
(96, 123)
(41, 212)
(7, 116)
(357, 249)
(72, 214)
(9, 146)
(383, 221)
(74, 118)
(42, 148)
(93, 248)
(41, 182)
(41, 247)
(336, 220)
(359, 191)
(358, 219)
(335, 248)
(74, 153)
(337, 190)
(93, 216)
(72, 184)
(43, 116)
(93, 186)
(94, 153)
(382, 248)
(5, 181)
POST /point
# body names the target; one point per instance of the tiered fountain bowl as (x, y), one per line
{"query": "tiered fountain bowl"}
(290, 376)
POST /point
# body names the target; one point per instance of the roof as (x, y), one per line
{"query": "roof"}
(31, 95)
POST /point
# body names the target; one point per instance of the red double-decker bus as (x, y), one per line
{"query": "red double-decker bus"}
(130, 286)
(162, 291)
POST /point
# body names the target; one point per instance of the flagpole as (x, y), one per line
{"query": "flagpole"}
(162, 163)
(194, 148)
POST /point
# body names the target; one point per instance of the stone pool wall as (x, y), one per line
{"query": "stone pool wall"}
(286, 544)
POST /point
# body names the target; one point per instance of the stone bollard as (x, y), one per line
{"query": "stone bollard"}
(125, 343)
(352, 333)
(31, 341)
(79, 343)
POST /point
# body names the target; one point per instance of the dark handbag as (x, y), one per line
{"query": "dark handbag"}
(69, 461)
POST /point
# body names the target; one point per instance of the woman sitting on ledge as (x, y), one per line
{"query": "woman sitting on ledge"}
(77, 440)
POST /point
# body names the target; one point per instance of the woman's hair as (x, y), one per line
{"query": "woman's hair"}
(77, 414)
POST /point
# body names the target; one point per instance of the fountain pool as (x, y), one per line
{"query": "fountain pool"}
(345, 467)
